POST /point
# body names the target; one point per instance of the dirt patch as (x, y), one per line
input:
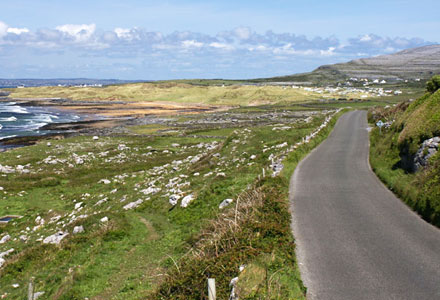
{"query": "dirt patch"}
(151, 230)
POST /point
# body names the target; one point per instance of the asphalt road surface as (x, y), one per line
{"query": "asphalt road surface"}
(355, 239)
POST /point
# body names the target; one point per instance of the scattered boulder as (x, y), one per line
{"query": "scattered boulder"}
(78, 229)
(6, 169)
(95, 138)
(101, 201)
(122, 147)
(225, 203)
(39, 220)
(150, 190)
(427, 150)
(277, 167)
(55, 238)
(37, 295)
(104, 220)
(186, 200)
(134, 204)
(5, 238)
(3, 254)
(233, 285)
(173, 199)
(105, 181)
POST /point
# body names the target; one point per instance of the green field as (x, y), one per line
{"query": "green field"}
(146, 251)
(179, 92)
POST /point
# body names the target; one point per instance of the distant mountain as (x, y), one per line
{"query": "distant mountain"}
(422, 63)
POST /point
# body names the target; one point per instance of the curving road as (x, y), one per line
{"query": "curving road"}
(355, 239)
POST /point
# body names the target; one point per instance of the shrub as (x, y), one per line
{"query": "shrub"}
(434, 84)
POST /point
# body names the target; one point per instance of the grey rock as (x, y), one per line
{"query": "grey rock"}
(78, 229)
(225, 203)
(186, 200)
(173, 199)
(134, 204)
(233, 284)
(5, 238)
(426, 151)
(55, 238)
(37, 295)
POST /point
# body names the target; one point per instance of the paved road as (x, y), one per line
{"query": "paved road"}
(355, 239)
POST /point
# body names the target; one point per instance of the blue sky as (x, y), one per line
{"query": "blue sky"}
(134, 39)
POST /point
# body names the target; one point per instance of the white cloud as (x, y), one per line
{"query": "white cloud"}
(365, 38)
(3, 29)
(123, 33)
(240, 49)
(243, 33)
(389, 50)
(258, 48)
(17, 31)
(329, 52)
(191, 44)
(80, 33)
(223, 46)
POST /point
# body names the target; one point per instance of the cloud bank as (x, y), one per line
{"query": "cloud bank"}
(83, 50)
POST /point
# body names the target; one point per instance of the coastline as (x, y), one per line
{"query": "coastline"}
(97, 117)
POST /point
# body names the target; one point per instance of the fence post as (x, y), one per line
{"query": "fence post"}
(31, 289)
(211, 289)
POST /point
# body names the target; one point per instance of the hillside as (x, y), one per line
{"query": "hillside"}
(405, 154)
(410, 64)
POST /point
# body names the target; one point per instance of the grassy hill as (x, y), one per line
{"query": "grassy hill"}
(183, 93)
(394, 150)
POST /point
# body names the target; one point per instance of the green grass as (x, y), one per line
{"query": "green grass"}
(420, 191)
(152, 129)
(262, 242)
(420, 121)
(182, 92)
(413, 123)
(130, 256)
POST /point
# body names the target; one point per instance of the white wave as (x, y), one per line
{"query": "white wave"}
(10, 119)
(6, 137)
(13, 109)
(42, 118)
(34, 125)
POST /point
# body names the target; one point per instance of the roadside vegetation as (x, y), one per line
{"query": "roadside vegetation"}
(145, 209)
(404, 154)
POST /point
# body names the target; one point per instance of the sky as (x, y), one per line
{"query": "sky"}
(154, 40)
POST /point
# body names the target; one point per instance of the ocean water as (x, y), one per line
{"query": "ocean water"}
(16, 120)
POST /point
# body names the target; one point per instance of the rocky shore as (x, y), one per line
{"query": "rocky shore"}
(99, 117)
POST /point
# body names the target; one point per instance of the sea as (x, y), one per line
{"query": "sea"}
(16, 120)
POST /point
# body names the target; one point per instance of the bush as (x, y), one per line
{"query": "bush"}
(434, 84)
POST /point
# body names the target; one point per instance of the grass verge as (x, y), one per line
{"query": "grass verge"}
(420, 191)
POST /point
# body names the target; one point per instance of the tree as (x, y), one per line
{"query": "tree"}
(434, 84)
